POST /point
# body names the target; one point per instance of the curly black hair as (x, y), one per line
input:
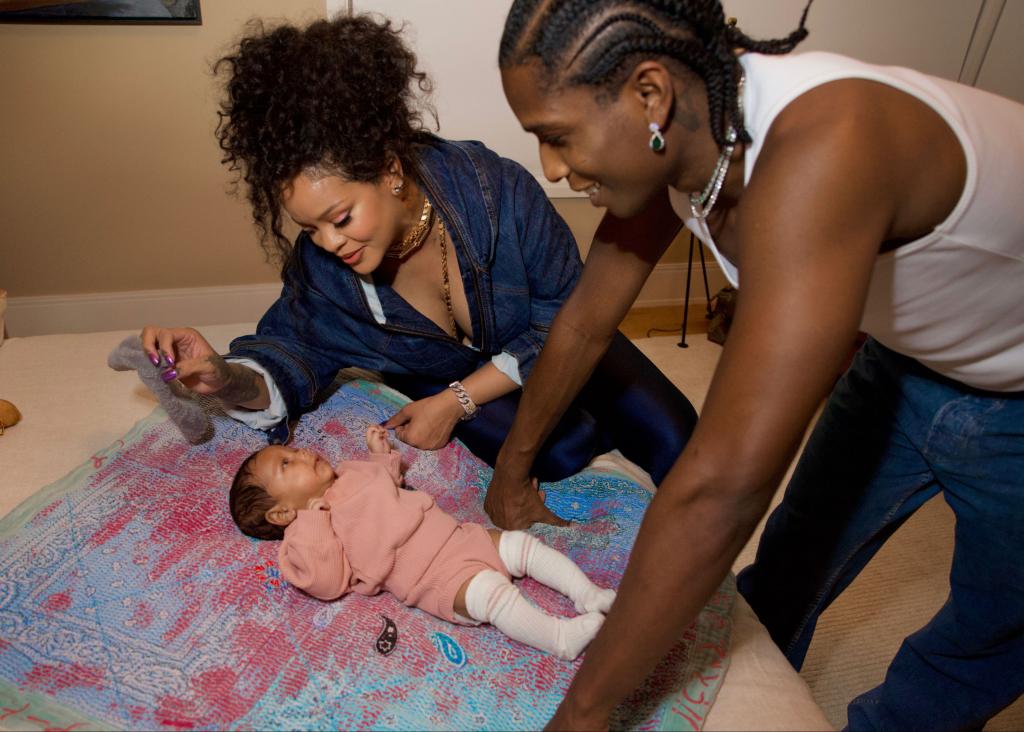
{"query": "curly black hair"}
(598, 43)
(337, 96)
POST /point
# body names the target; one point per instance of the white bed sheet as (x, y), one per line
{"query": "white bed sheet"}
(73, 406)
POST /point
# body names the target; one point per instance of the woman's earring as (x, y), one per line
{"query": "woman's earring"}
(398, 188)
(657, 141)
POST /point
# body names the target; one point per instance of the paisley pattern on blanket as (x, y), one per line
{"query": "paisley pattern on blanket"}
(129, 600)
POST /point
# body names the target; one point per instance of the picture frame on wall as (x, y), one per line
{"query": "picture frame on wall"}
(148, 12)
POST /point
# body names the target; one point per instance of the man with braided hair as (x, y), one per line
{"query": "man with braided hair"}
(887, 198)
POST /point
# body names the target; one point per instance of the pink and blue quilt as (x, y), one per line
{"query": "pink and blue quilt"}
(128, 600)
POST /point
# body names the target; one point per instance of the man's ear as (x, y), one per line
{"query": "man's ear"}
(280, 515)
(651, 84)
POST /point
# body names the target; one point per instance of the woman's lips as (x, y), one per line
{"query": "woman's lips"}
(354, 257)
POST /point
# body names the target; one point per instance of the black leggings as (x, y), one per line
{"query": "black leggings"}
(627, 404)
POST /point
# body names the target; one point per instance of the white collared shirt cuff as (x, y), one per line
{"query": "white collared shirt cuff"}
(507, 364)
(262, 419)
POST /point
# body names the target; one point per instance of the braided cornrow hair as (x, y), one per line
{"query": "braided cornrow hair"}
(598, 43)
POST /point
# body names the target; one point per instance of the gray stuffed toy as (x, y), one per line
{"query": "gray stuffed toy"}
(183, 407)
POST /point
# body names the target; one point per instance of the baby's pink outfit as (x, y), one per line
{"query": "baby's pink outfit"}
(378, 536)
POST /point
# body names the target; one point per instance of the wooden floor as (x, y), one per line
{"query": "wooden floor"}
(663, 321)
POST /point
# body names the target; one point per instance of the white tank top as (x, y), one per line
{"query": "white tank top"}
(953, 299)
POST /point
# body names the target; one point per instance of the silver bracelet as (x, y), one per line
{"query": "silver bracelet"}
(468, 405)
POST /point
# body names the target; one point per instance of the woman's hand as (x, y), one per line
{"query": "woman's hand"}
(194, 363)
(513, 502)
(427, 423)
(191, 358)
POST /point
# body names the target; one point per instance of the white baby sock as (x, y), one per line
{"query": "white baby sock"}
(491, 598)
(524, 554)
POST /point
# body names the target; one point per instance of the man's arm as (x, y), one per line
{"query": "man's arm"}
(621, 258)
(815, 211)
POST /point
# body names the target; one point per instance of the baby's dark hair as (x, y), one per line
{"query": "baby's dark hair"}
(599, 42)
(249, 503)
(335, 97)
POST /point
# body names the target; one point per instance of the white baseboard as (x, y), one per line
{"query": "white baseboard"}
(667, 284)
(50, 314)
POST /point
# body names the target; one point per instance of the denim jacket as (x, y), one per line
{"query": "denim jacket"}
(518, 262)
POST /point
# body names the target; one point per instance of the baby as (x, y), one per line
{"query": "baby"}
(355, 529)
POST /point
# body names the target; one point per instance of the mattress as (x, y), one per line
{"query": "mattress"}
(74, 407)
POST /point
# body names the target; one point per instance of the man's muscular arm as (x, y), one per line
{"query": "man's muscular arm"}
(622, 256)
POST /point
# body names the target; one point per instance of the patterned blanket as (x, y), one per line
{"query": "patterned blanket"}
(129, 600)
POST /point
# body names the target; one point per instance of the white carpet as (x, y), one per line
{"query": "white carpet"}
(895, 595)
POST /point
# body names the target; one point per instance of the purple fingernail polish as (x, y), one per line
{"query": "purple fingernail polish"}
(154, 359)
(170, 358)
(169, 375)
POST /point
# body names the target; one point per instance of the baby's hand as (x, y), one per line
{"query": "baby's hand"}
(317, 504)
(377, 441)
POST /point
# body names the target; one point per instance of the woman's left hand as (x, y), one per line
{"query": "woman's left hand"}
(427, 423)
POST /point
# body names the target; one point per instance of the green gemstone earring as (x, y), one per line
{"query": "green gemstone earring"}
(657, 141)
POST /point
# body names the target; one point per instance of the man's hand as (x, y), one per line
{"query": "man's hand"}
(427, 423)
(515, 503)
(566, 719)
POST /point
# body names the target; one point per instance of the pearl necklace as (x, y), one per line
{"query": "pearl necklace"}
(701, 204)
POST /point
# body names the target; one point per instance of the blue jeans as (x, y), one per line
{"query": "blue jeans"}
(892, 435)
(627, 404)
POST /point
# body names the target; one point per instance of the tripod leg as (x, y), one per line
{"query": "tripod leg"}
(707, 290)
(686, 299)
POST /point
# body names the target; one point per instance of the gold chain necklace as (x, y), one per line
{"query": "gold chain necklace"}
(447, 285)
(415, 237)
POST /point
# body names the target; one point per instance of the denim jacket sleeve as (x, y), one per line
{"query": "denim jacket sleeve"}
(299, 366)
(551, 260)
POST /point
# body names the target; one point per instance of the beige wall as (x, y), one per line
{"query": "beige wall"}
(583, 219)
(110, 177)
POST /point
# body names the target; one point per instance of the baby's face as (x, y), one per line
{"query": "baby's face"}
(291, 476)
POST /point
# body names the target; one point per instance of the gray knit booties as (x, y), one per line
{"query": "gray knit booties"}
(182, 406)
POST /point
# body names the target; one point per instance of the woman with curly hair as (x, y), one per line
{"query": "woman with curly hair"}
(851, 197)
(435, 262)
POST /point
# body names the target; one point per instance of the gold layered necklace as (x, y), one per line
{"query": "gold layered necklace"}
(414, 239)
(416, 235)
(453, 328)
